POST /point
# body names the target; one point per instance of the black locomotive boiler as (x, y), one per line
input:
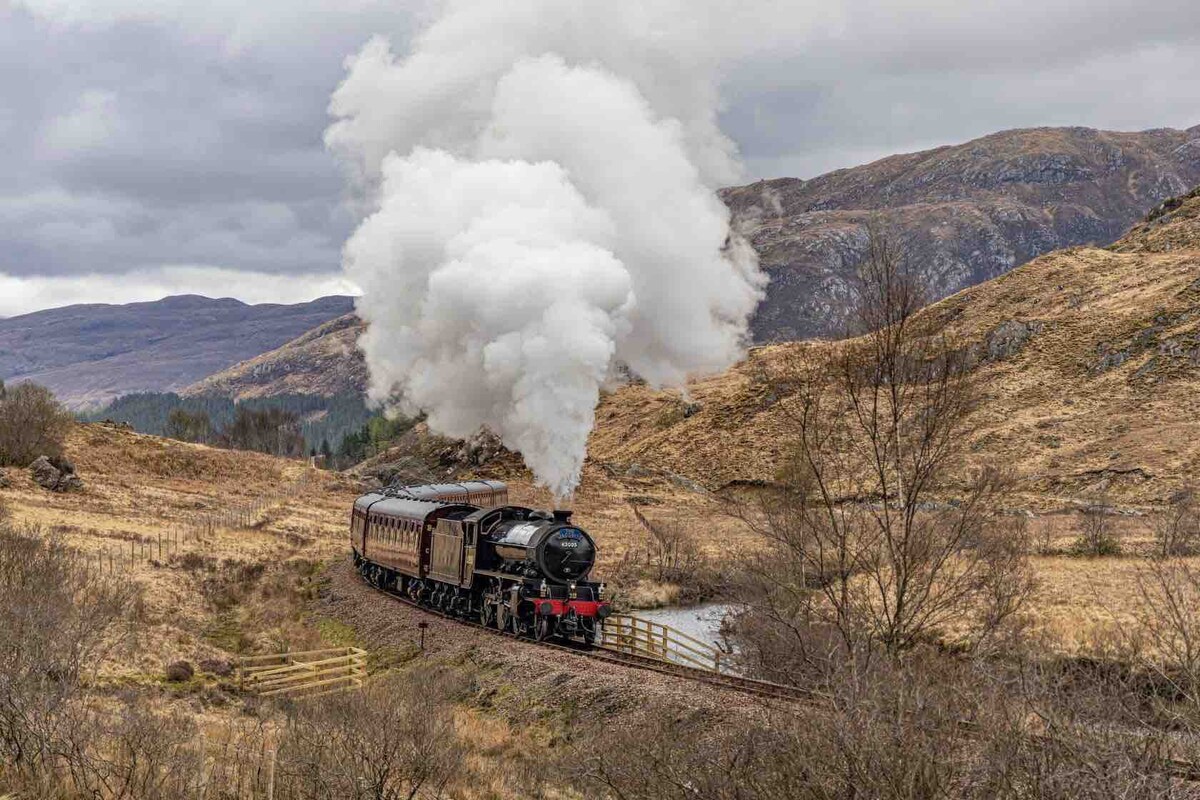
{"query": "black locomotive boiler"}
(460, 548)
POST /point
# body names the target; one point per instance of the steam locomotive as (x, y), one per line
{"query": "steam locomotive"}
(460, 548)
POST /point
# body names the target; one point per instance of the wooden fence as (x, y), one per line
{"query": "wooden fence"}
(308, 673)
(628, 634)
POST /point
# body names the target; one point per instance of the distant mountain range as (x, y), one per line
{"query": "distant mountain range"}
(91, 354)
(966, 213)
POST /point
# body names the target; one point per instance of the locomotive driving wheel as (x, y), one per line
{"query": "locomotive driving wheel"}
(541, 628)
(502, 616)
(487, 614)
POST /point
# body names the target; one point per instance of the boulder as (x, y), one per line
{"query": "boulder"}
(179, 671)
(44, 473)
(57, 474)
(5, 481)
(70, 482)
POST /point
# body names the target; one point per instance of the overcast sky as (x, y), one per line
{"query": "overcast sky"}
(152, 148)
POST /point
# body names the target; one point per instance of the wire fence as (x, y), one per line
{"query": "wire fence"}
(194, 533)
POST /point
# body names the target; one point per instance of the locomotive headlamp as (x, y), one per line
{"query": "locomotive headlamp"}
(544, 590)
(574, 592)
(600, 592)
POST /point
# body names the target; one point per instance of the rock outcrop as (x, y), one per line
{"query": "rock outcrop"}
(966, 213)
(55, 474)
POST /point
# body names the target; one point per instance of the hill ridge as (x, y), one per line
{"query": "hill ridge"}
(969, 212)
(90, 354)
(1091, 387)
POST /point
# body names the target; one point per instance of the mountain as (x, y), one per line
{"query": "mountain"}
(1092, 381)
(90, 354)
(967, 213)
(324, 361)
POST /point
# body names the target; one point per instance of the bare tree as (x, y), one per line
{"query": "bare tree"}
(1168, 631)
(876, 533)
(671, 551)
(188, 426)
(32, 423)
(1097, 534)
(57, 622)
(1177, 527)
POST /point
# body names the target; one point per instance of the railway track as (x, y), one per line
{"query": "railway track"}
(764, 689)
(1180, 769)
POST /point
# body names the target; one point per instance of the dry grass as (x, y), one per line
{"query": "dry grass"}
(1067, 422)
(233, 588)
(196, 607)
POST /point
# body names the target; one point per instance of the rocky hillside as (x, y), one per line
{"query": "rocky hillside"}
(969, 213)
(324, 361)
(1091, 382)
(90, 354)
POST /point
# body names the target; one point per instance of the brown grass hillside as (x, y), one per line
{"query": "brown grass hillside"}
(1090, 370)
(324, 361)
(238, 585)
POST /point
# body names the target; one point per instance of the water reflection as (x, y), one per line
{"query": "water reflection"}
(700, 622)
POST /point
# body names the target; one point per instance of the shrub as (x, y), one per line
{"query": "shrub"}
(1097, 536)
(32, 423)
(57, 621)
(394, 739)
(188, 426)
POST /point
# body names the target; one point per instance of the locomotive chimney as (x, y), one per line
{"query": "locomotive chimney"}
(562, 515)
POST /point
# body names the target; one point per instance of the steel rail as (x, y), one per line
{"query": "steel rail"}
(696, 674)
(1178, 768)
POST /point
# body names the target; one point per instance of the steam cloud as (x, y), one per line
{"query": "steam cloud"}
(540, 178)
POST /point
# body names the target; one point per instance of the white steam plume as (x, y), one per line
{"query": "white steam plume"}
(542, 179)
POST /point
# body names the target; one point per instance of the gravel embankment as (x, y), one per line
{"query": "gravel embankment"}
(545, 678)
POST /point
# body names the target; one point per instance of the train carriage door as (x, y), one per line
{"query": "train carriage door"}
(447, 557)
(470, 530)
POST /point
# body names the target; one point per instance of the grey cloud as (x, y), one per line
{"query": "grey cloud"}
(138, 135)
